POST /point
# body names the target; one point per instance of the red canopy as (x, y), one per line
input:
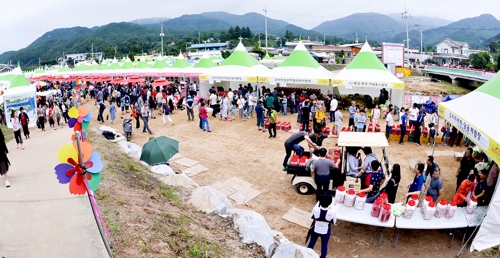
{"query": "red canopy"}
(135, 79)
(118, 80)
(161, 82)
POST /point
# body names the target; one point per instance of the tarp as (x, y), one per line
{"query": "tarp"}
(449, 97)
(475, 115)
(298, 68)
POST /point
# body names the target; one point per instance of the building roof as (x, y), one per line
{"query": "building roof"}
(453, 43)
(209, 45)
(330, 48)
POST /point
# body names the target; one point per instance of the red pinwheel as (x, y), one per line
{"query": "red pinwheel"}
(70, 171)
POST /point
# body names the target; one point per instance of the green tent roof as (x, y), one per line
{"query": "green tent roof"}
(18, 81)
(181, 62)
(280, 57)
(123, 60)
(300, 57)
(64, 69)
(267, 57)
(491, 87)
(94, 67)
(39, 71)
(366, 59)
(115, 66)
(143, 64)
(160, 64)
(240, 57)
(127, 65)
(205, 63)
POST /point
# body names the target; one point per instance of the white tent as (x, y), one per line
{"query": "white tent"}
(299, 68)
(475, 116)
(367, 75)
(20, 94)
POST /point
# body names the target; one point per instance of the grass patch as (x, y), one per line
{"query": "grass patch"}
(7, 132)
(454, 89)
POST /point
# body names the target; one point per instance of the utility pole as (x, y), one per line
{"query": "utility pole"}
(265, 24)
(199, 37)
(357, 42)
(421, 44)
(92, 52)
(405, 16)
(161, 35)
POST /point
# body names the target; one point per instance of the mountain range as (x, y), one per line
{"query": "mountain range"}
(141, 33)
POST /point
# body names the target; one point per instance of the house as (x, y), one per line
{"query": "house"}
(451, 52)
(83, 56)
(333, 52)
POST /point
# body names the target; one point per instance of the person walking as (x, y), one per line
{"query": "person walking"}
(404, 122)
(419, 124)
(51, 118)
(241, 103)
(323, 218)
(273, 118)
(284, 103)
(136, 114)
(333, 108)
(224, 108)
(204, 118)
(166, 112)
(16, 127)
(189, 108)
(112, 112)
(375, 116)
(321, 170)
(57, 115)
(41, 117)
(4, 160)
(389, 123)
(352, 113)
(101, 107)
(339, 119)
(260, 113)
(25, 120)
(251, 104)
(446, 133)
(145, 117)
(305, 113)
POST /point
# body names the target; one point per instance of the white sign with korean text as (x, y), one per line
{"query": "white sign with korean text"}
(468, 130)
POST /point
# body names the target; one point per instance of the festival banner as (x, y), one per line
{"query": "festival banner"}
(16, 101)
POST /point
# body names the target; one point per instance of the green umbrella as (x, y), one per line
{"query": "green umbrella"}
(159, 150)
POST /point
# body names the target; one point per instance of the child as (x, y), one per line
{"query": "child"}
(112, 111)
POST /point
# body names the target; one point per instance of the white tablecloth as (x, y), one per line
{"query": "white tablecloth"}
(474, 220)
(361, 216)
(417, 221)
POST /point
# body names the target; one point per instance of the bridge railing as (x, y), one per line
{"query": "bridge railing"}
(462, 72)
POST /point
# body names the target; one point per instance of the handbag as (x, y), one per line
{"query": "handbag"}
(442, 129)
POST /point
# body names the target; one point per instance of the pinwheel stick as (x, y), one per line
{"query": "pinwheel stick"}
(95, 209)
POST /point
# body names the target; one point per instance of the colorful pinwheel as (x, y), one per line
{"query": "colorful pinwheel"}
(79, 118)
(70, 171)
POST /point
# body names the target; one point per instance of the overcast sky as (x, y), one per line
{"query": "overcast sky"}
(23, 21)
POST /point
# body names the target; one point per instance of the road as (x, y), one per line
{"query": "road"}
(39, 217)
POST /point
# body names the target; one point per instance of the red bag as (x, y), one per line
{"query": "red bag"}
(442, 129)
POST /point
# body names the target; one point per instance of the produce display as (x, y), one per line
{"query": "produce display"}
(349, 198)
(410, 209)
(359, 204)
(450, 210)
(340, 194)
(440, 209)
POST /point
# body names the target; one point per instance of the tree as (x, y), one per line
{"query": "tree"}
(493, 46)
(237, 32)
(230, 33)
(108, 52)
(478, 61)
(498, 63)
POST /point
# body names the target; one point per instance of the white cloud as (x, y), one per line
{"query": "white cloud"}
(29, 19)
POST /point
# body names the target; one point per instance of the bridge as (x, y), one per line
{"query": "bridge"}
(461, 77)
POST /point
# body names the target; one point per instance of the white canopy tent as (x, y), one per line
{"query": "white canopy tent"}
(20, 94)
(367, 75)
(473, 114)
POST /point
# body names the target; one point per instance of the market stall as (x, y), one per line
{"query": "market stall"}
(239, 67)
(299, 69)
(20, 94)
(366, 75)
(472, 114)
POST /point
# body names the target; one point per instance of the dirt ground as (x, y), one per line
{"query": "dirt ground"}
(238, 149)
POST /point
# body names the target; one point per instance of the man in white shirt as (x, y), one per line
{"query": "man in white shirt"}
(230, 95)
(324, 217)
(213, 103)
(389, 123)
(251, 104)
(333, 107)
(413, 115)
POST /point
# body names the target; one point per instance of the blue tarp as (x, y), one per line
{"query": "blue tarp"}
(450, 97)
(429, 106)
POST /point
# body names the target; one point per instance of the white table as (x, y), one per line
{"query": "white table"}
(474, 220)
(417, 221)
(362, 217)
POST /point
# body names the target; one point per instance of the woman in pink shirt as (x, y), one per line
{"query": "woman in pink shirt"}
(16, 127)
(204, 118)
